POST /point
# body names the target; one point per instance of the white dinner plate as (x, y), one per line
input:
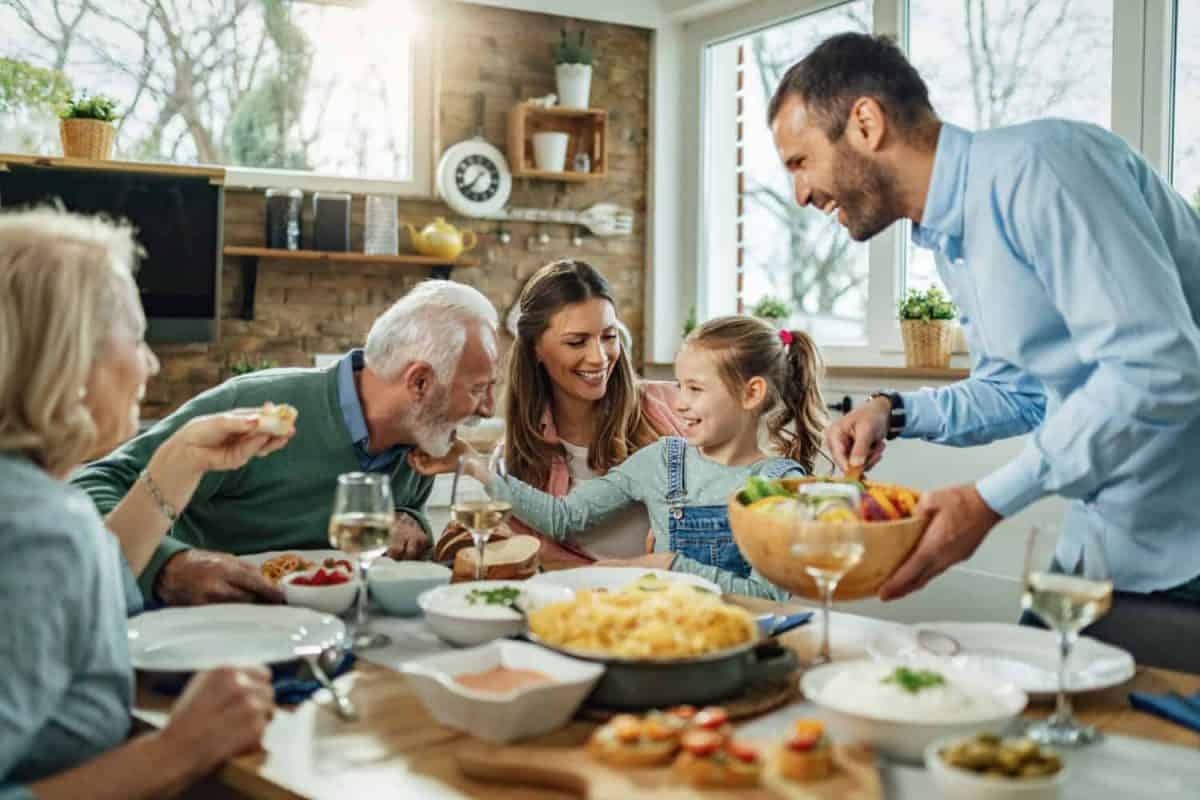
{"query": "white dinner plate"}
(614, 578)
(228, 634)
(1024, 656)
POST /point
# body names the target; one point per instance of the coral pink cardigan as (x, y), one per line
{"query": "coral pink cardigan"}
(658, 404)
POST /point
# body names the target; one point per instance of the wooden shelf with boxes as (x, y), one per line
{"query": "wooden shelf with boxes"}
(587, 132)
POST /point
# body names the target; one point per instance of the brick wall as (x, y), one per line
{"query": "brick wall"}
(302, 309)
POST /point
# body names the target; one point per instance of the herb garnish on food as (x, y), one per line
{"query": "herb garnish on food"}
(501, 596)
(915, 680)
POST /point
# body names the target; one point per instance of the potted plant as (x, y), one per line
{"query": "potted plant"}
(86, 127)
(927, 323)
(244, 366)
(573, 71)
(773, 310)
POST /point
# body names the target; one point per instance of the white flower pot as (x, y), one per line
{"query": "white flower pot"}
(574, 84)
(550, 151)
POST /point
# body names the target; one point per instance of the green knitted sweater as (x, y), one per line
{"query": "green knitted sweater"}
(279, 502)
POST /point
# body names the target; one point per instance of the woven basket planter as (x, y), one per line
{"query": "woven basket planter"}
(87, 138)
(928, 343)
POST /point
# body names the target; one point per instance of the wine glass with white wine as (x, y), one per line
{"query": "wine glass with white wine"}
(1066, 603)
(361, 525)
(827, 551)
(481, 515)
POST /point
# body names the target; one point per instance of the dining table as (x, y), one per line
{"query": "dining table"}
(396, 749)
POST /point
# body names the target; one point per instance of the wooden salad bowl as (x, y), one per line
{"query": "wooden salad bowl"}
(766, 538)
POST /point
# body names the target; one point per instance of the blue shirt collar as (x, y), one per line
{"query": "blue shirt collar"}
(941, 226)
(352, 413)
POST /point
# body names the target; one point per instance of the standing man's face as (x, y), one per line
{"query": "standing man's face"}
(845, 176)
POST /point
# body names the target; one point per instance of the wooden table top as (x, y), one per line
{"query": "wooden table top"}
(396, 749)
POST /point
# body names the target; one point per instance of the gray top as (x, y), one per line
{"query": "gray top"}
(642, 478)
(66, 685)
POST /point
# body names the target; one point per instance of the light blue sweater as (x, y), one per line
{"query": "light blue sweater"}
(66, 685)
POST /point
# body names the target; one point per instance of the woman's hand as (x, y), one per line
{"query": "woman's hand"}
(221, 714)
(223, 441)
(425, 464)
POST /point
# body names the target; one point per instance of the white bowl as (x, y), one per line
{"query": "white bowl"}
(332, 599)
(907, 739)
(959, 784)
(395, 585)
(518, 714)
(450, 615)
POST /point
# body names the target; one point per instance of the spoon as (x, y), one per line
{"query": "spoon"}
(938, 643)
(324, 664)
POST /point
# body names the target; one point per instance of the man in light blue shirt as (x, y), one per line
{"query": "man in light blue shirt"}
(1077, 272)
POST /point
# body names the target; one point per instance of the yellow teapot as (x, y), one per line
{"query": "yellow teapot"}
(440, 239)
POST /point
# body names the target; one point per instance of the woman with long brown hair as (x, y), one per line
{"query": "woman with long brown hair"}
(574, 408)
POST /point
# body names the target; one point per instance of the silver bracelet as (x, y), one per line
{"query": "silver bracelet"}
(166, 508)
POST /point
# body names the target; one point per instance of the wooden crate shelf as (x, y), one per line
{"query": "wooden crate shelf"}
(249, 257)
(586, 127)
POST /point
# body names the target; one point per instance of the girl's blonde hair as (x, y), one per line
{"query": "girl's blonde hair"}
(62, 277)
(747, 347)
(621, 427)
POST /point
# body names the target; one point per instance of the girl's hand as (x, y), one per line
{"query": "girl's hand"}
(424, 464)
(650, 560)
(221, 442)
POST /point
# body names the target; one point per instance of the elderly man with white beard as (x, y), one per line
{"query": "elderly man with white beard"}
(429, 365)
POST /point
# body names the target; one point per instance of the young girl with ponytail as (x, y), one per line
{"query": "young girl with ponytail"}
(737, 375)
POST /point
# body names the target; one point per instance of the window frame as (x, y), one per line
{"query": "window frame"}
(1142, 107)
(423, 89)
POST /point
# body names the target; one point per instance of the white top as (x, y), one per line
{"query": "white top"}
(622, 536)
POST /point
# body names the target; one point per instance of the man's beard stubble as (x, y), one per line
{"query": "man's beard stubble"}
(866, 192)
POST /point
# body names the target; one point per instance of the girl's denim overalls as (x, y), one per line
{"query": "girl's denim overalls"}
(702, 532)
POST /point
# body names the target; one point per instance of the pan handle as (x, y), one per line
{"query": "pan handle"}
(771, 661)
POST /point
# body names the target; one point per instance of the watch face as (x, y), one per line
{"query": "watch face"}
(477, 177)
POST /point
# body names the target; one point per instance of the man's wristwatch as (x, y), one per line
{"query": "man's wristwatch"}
(897, 419)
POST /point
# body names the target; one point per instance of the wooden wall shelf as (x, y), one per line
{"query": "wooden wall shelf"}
(586, 127)
(249, 256)
(215, 175)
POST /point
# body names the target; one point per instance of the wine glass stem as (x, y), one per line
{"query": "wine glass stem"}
(360, 612)
(479, 543)
(1062, 706)
(826, 586)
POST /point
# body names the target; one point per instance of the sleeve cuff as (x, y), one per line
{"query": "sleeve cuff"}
(165, 551)
(922, 419)
(1015, 485)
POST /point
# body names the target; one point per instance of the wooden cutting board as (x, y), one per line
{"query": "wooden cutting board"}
(571, 769)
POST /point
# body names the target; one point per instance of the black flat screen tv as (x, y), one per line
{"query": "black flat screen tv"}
(178, 221)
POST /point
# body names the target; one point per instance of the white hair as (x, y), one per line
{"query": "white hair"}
(428, 324)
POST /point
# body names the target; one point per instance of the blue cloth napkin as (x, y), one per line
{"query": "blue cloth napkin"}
(1177, 708)
(290, 688)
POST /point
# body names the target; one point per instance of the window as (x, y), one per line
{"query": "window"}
(1185, 167)
(990, 63)
(781, 251)
(319, 87)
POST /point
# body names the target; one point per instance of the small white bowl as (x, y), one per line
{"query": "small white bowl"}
(955, 783)
(518, 714)
(332, 599)
(395, 585)
(451, 617)
(906, 740)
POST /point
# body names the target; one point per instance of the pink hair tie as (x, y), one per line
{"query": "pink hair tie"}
(786, 337)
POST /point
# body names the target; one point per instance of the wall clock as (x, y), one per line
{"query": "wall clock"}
(473, 176)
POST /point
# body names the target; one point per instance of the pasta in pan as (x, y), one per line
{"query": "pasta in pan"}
(674, 621)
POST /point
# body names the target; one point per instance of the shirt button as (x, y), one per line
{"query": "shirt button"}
(677, 513)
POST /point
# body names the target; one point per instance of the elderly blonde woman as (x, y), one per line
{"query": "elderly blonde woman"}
(73, 367)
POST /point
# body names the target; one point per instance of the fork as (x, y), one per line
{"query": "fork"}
(602, 219)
